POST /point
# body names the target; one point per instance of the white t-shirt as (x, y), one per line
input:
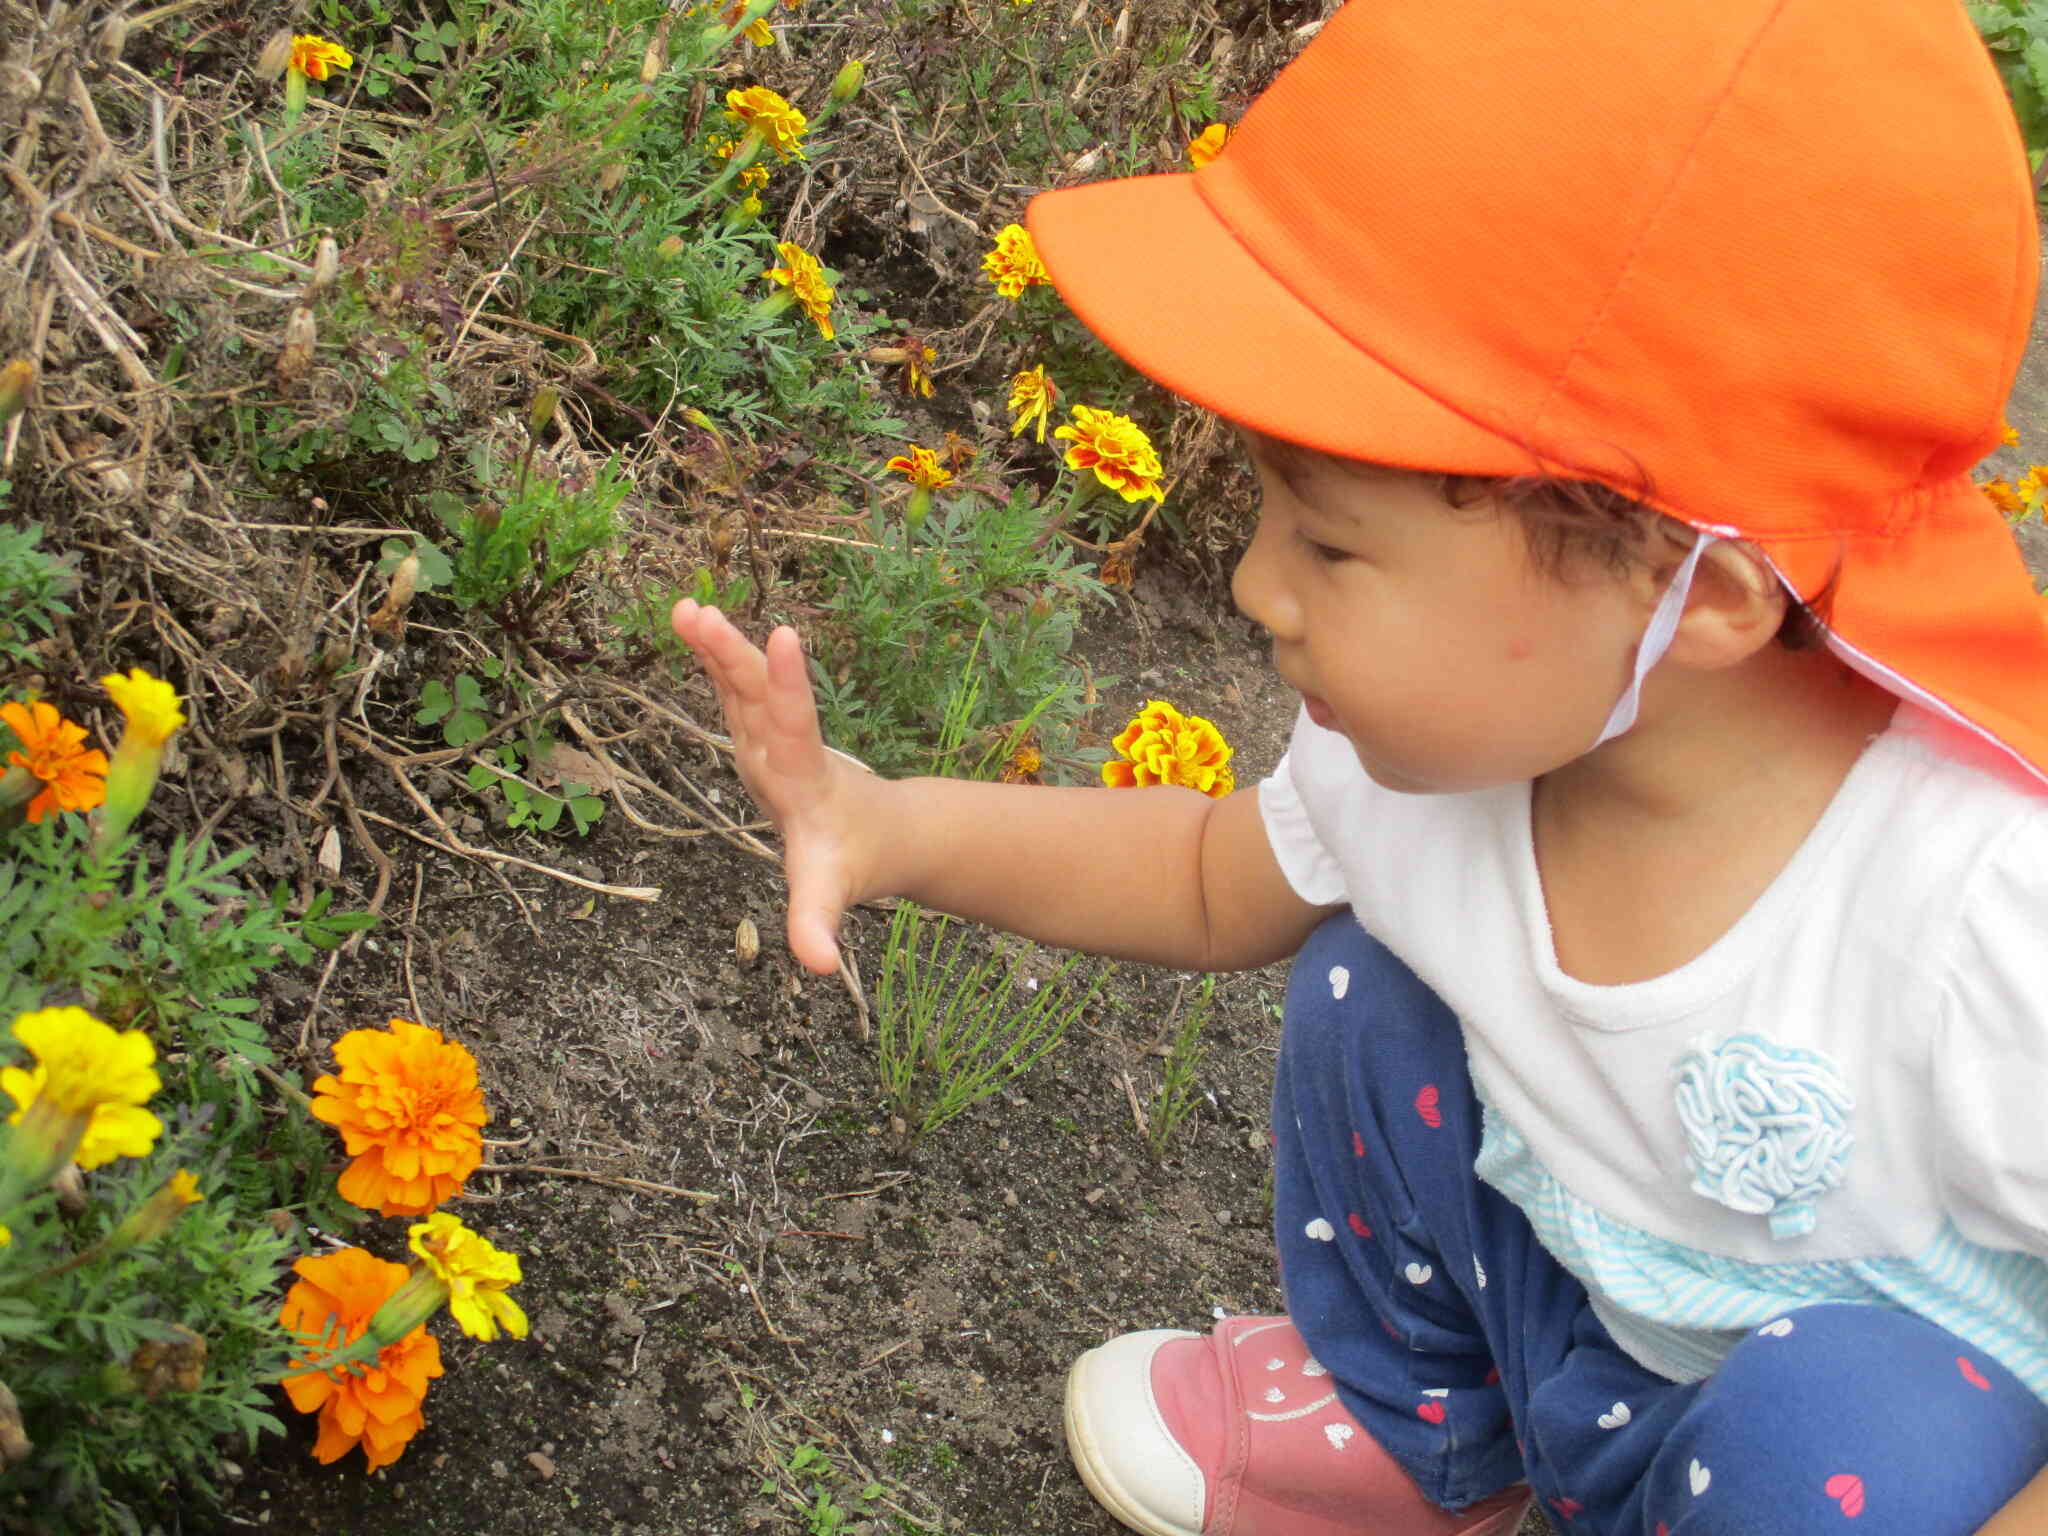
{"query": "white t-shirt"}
(1844, 1098)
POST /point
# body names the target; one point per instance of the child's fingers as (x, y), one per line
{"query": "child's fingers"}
(792, 710)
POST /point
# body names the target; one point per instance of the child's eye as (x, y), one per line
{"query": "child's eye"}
(1325, 553)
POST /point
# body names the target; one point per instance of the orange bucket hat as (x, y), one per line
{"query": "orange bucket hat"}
(1773, 260)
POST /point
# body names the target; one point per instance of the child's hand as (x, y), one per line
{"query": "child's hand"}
(820, 802)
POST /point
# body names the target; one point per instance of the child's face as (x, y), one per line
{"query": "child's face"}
(1423, 632)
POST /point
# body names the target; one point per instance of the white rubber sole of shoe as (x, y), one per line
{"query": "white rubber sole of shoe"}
(1109, 1386)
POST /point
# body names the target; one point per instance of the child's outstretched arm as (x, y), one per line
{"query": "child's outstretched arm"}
(1167, 876)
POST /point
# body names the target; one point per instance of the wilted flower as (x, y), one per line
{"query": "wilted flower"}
(1013, 265)
(917, 368)
(1207, 145)
(1032, 395)
(314, 56)
(409, 1111)
(82, 1101)
(1163, 746)
(475, 1274)
(1116, 449)
(376, 1406)
(53, 752)
(805, 280)
(921, 467)
(1024, 764)
(780, 125)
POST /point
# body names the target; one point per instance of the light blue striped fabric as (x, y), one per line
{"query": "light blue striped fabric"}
(1679, 1311)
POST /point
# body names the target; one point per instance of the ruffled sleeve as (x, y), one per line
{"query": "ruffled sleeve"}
(1990, 1066)
(1307, 862)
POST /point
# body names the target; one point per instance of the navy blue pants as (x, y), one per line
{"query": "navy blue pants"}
(1470, 1353)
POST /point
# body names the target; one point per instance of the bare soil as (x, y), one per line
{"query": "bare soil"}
(909, 1311)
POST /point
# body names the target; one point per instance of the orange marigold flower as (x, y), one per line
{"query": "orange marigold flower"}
(2001, 495)
(1207, 145)
(1013, 265)
(374, 1406)
(921, 467)
(314, 56)
(805, 280)
(1031, 400)
(410, 1114)
(1163, 746)
(53, 749)
(762, 111)
(1116, 449)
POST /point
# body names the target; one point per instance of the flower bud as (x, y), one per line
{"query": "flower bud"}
(542, 411)
(847, 83)
(158, 1214)
(671, 247)
(16, 380)
(409, 1307)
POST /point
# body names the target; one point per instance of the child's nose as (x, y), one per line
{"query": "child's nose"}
(1258, 590)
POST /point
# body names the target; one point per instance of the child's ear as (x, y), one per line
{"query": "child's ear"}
(1735, 609)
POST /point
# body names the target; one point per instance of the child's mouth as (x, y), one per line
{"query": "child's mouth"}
(1319, 712)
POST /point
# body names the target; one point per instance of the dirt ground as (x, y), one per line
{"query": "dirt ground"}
(909, 1313)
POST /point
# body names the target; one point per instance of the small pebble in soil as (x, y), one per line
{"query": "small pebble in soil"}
(541, 1462)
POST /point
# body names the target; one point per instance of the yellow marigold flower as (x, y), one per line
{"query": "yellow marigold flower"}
(1163, 746)
(2001, 495)
(1032, 395)
(921, 467)
(83, 1099)
(1116, 449)
(754, 176)
(409, 1111)
(2033, 484)
(1207, 145)
(805, 279)
(376, 1406)
(1013, 265)
(148, 704)
(762, 111)
(53, 751)
(314, 56)
(475, 1273)
(2008, 434)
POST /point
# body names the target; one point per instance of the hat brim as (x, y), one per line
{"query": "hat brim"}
(1151, 269)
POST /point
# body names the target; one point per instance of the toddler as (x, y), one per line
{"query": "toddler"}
(1661, 1115)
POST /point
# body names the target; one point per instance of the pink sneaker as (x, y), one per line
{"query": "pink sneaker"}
(1241, 1434)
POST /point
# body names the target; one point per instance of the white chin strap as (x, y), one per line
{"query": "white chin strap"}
(1656, 639)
